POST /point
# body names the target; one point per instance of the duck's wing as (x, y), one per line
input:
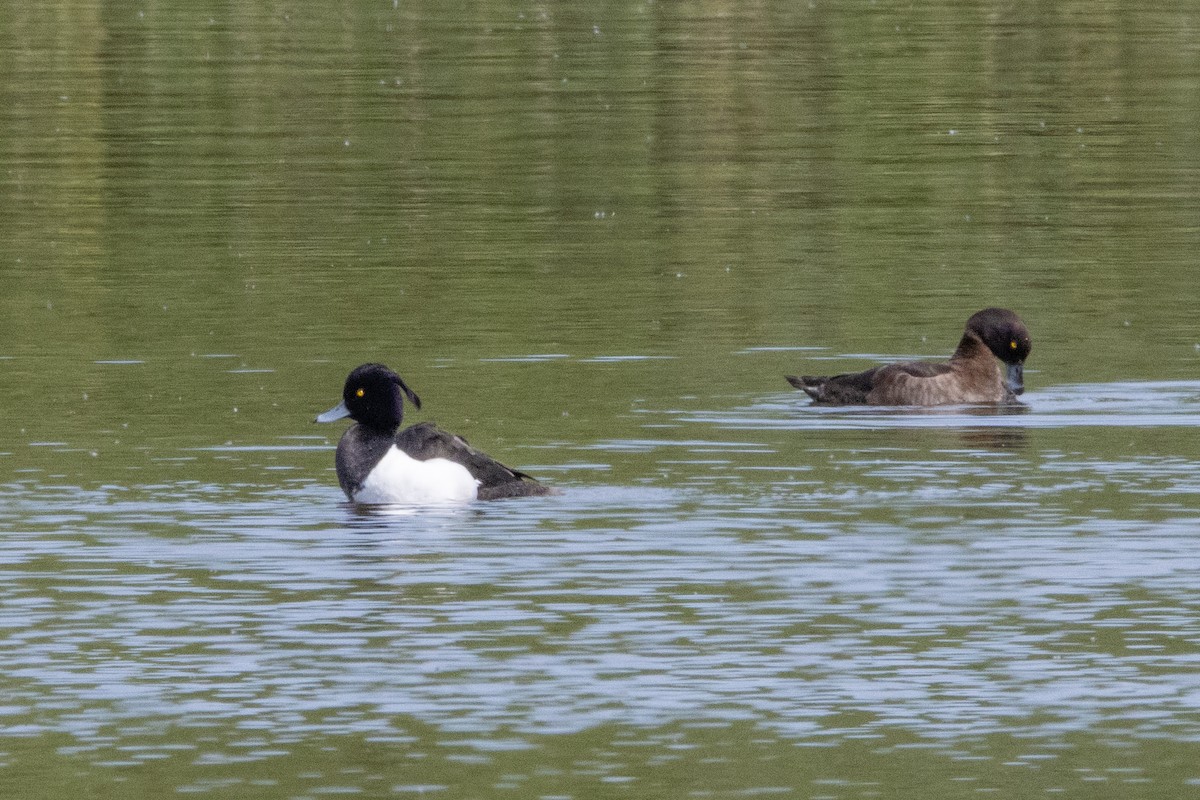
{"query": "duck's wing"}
(862, 388)
(848, 389)
(916, 383)
(426, 440)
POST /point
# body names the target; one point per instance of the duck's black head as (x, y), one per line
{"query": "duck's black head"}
(373, 396)
(1003, 332)
(1007, 337)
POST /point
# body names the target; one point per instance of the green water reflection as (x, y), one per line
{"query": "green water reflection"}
(618, 762)
(647, 177)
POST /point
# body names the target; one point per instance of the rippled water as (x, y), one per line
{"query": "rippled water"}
(779, 578)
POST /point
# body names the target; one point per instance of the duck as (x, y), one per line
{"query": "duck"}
(377, 463)
(972, 374)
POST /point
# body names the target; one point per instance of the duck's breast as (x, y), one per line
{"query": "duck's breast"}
(400, 478)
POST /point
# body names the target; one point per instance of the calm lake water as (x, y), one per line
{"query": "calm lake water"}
(593, 240)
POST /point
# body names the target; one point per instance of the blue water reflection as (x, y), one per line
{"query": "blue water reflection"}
(1011, 594)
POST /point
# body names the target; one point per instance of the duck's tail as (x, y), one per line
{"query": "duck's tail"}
(812, 385)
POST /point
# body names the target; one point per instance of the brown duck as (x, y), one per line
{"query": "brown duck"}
(970, 376)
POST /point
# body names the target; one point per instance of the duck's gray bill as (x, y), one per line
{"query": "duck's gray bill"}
(337, 412)
(1016, 378)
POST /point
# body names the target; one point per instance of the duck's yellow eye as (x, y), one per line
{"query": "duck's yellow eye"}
(1012, 345)
(360, 392)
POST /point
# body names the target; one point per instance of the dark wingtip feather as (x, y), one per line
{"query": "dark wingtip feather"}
(518, 488)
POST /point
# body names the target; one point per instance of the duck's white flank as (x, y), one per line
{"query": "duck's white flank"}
(400, 478)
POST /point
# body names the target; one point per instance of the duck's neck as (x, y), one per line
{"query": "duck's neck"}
(377, 432)
(973, 357)
(970, 347)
